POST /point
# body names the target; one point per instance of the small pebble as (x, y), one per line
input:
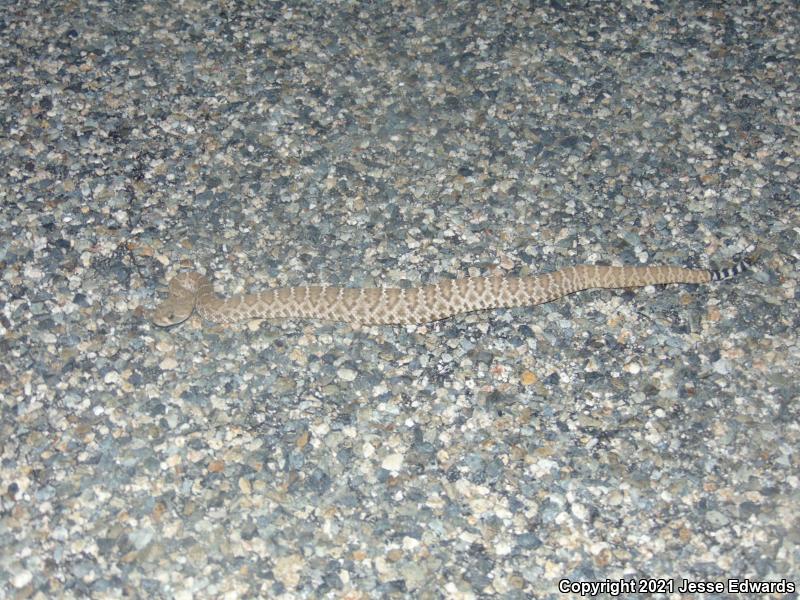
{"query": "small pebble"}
(21, 579)
(168, 364)
(392, 462)
(346, 374)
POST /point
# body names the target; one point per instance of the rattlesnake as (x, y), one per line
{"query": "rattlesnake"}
(191, 291)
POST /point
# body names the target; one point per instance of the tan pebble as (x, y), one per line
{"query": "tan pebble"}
(733, 353)
(158, 511)
(216, 466)
(302, 439)
(142, 250)
(195, 455)
(287, 569)
(394, 554)
(603, 558)
(684, 534)
(244, 486)
(298, 356)
(709, 178)
(528, 378)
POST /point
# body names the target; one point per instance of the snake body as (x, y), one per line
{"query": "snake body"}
(192, 291)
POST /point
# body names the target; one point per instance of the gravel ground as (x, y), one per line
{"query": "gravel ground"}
(645, 435)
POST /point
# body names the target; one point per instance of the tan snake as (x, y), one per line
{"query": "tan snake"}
(191, 291)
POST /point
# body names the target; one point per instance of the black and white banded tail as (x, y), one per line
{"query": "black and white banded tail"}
(743, 265)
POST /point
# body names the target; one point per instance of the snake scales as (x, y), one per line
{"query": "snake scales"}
(191, 291)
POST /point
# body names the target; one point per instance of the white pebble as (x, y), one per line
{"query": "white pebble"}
(346, 374)
(632, 367)
(168, 363)
(392, 462)
(22, 579)
(722, 366)
(580, 511)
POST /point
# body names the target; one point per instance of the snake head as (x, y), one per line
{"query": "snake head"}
(170, 313)
(180, 303)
